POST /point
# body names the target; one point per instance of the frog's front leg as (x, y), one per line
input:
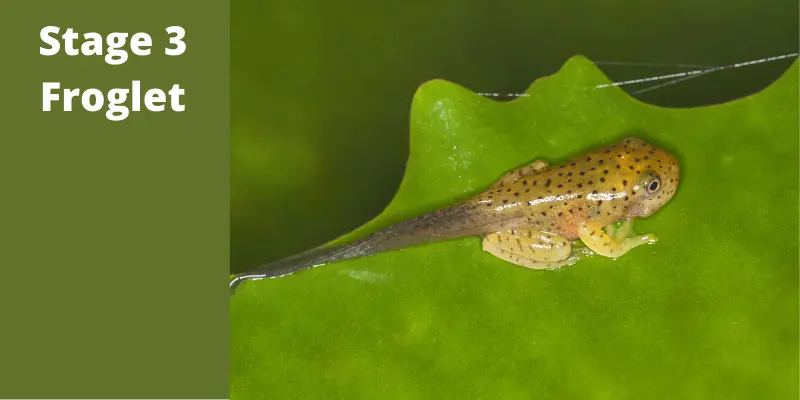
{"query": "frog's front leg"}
(532, 249)
(621, 232)
(618, 233)
(614, 243)
(515, 175)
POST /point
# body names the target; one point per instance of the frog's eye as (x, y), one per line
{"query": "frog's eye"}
(653, 186)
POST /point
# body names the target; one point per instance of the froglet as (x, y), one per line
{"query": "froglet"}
(532, 216)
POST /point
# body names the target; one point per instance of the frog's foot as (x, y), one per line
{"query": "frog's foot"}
(533, 249)
(614, 242)
(515, 175)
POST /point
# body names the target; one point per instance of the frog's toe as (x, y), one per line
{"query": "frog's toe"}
(648, 238)
(539, 165)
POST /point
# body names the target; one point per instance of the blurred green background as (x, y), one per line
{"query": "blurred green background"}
(321, 90)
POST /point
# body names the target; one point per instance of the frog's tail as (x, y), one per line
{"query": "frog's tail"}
(289, 265)
(448, 223)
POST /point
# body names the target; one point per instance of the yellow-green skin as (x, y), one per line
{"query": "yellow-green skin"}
(546, 207)
(532, 216)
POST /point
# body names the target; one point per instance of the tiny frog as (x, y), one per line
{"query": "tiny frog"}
(532, 216)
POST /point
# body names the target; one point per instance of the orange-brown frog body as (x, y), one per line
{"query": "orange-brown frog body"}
(576, 200)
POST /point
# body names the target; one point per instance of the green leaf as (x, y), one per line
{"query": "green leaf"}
(710, 311)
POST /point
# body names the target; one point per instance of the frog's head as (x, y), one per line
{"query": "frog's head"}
(653, 172)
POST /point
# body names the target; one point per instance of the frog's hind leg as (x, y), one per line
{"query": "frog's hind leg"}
(515, 175)
(532, 249)
(616, 242)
